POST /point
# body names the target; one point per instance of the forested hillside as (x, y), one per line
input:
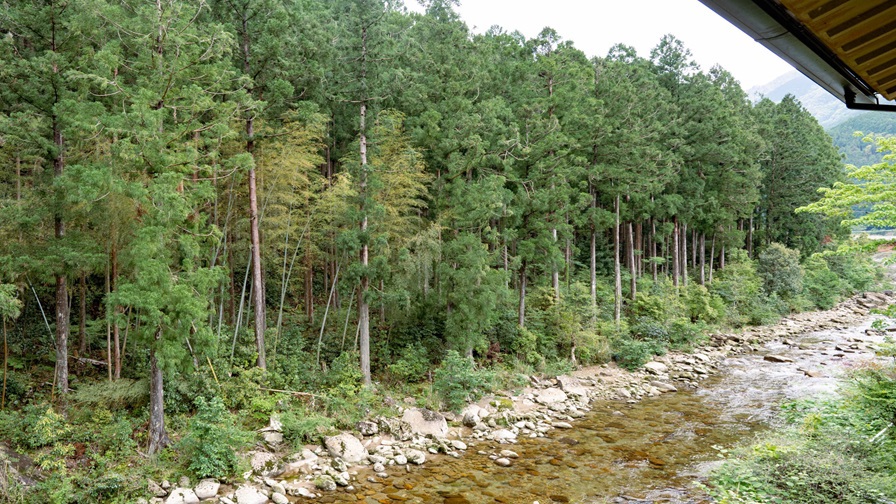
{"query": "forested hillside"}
(855, 149)
(213, 198)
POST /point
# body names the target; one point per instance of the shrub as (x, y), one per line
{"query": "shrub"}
(779, 268)
(412, 365)
(631, 353)
(114, 395)
(458, 381)
(301, 426)
(822, 286)
(213, 440)
(701, 305)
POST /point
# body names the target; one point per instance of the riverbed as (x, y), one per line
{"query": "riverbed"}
(649, 451)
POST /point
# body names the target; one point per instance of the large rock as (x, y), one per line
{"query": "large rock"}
(550, 396)
(572, 386)
(249, 495)
(182, 496)
(415, 456)
(777, 358)
(424, 422)
(347, 447)
(207, 488)
(656, 367)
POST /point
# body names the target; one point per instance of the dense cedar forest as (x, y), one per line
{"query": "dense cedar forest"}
(207, 198)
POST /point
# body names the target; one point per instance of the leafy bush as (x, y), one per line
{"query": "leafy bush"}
(114, 395)
(213, 440)
(631, 353)
(702, 306)
(412, 365)
(740, 287)
(822, 286)
(458, 381)
(779, 268)
(300, 426)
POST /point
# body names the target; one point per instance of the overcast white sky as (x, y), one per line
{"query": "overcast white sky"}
(596, 25)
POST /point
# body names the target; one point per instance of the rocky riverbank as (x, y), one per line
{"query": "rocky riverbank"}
(381, 450)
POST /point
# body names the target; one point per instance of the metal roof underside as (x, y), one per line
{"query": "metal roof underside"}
(848, 47)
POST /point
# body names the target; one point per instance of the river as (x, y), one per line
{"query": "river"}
(651, 451)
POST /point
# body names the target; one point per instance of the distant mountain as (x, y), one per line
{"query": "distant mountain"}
(828, 110)
(840, 122)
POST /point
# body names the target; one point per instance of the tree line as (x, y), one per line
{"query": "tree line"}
(278, 183)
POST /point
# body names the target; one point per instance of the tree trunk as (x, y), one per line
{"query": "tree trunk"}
(617, 305)
(116, 329)
(593, 254)
(522, 306)
(82, 315)
(633, 283)
(702, 258)
(555, 271)
(653, 265)
(62, 308)
(309, 286)
(363, 303)
(257, 272)
(676, 262)
(158, 436)
(712, 256)
(750, 239)
(684, 255)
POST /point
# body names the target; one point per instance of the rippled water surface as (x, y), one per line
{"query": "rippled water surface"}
(650, 451)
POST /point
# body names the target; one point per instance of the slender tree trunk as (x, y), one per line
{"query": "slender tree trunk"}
(363, 303)
(694, 241)
(309, 286)
(653, 265)
(593, 271)
(750, 238)
(617, 308)
(684, 254)
(116, 329)
(5, 364)
(82, 315)
(62, 307)
(158, 436)
(676, 262)
(255, 236)
(702, 258)
(712, 256)
(633, 282)
(639, 248)
(522, 306)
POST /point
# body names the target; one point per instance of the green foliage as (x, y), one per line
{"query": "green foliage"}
(826, 455)
(302, 425)
(459, 381)
(344, 377)
(213, 440)
(779, 268)
(822, 286)
(412, 365)
(632, 353)
(740, 287)
(114, 395)
(702, 306)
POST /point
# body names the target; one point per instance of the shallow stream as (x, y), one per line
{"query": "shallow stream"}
(652, 451)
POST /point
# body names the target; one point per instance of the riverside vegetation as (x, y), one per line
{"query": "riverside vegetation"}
(216, 212)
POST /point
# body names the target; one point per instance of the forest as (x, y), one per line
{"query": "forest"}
(239, 202)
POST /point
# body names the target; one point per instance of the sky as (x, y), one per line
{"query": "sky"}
(596, 25)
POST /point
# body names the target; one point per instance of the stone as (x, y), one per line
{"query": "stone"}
(325, 483)
(184, 482)
(457, 444)
(550, 396)
(347, 447)
(248, 494)
(509, 454)
(279, 498)
(415, 457)
(378, 468)
(263, 462)
(278, 488)
(207, 488)
(367, 428)
(562, 425)
(572, 386)
(273, 438)
(182, 496)
(470, 419)
(155, 489)
(777, 358)
(297, 468)
(342, 479)
(503, 435)
(656, 367)
(663, 387)
(400, 460)
(503, 462)
(424, 422)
